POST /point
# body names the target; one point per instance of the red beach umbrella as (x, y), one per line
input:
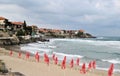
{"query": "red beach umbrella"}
(53, 56)
(110, 71)
(56, 60)
(72, 63)
(11, 53)
(27, 55)
(94, 64)
(37, 57)
(77, 61)
(89, 65)
(83, 69)
(19, 55)
(46, 58)
(63, 65)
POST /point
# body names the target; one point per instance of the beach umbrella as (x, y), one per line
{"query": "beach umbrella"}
(110, 71)
(89, 65)
(77, 61)
(94, 64)
(27, 55)
(72, 63)
(53, 56)
(19, 55)
(64, 58)
(56, 60)
(83, 69)
(37, 57)
(36, 54)
(11, 53)
(63, 65)
(46, 58)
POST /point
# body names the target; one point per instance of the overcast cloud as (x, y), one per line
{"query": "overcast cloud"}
(99, 17)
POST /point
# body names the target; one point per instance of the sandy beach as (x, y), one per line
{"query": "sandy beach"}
(32, 68)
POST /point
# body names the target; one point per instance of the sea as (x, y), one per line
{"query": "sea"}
(105, 50)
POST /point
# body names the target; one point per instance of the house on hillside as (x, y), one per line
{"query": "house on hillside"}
(43, 31)
(17, 25)
(5, 24)
(55, 31)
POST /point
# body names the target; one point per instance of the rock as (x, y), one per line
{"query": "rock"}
(3, 68)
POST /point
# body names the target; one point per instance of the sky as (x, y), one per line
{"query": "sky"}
(98, 17)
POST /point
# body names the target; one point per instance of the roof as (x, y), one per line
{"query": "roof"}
(43, 30)
(81, 31)
(55, 30)
(2, 18)
(17, 23)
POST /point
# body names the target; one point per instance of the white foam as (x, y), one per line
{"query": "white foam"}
(69, 56)
(32, 49)
(106, 69)
(51, 46)
(115, 61)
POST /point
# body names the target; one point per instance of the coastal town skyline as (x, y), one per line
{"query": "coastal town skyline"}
(99, 17)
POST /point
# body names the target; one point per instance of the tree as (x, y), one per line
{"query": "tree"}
(29, 30)
(24, 25)
(80, 34)
(20, 32)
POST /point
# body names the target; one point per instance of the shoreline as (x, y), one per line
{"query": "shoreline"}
(16, 48)
(32, 61)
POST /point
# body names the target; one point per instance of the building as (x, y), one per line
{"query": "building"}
(4, 23)
(17, 25)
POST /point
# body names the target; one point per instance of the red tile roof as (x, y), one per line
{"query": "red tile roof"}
(43, 30)
(55, 30)
(2, 18)
(81, 31)
(17, 23)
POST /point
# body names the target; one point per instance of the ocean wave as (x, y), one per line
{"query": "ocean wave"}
(50, 46)
(106, 69)
(111, 44)
(33, 50)
(69, 56)
(115, 61)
